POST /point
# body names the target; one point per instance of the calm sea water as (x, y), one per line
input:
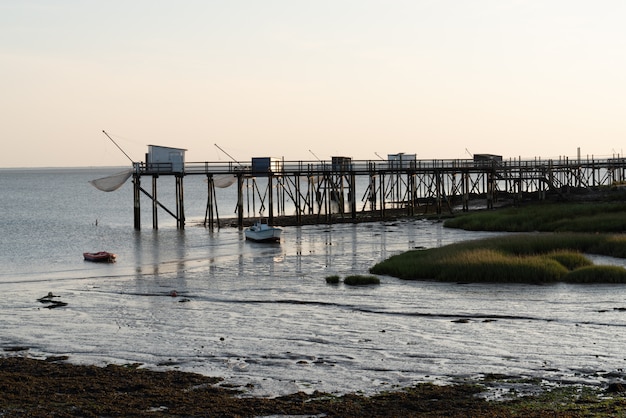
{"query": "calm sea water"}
(263, 314)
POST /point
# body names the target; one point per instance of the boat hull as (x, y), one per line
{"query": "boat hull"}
(100, 257)
(263, 236)
(261, 232)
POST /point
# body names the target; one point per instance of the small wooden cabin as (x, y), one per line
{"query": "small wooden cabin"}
(341, 163)
(165, 159)
(487, 160)
(402, 160)
(266, 165)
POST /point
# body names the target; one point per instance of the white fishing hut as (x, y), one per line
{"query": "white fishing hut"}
(402, 160)
(165, 159)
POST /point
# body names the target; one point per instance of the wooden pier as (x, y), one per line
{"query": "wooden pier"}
(327, 191)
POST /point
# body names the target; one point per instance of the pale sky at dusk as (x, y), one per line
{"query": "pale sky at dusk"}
(340, 78)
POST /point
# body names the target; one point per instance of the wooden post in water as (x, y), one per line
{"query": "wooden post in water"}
(382, 195)
(490, 188)
(409, 194)
(136, 199)
(155, 216)
(326, 198)
(240, 200)
(180, 202)
(438, 187)
(450, 196)
(270, 192)
(352, 194)
(593, 171)
(519, 192)
(372, 192)
(209, 219)
(248, 188)
(280, 191)
(465, 186)
(298, 201)
(310, 193)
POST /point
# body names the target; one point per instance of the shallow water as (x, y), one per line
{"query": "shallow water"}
(263, 314)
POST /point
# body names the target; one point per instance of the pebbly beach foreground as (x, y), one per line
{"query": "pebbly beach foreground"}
(52, 387)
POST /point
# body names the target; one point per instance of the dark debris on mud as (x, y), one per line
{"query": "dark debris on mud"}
(39, 388)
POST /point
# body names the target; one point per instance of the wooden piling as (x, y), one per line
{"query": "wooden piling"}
(180, 202)
(240, 200)
(137, 200)
(155, 212)
(270, 190)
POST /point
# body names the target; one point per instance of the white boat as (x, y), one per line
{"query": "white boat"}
(262, 232)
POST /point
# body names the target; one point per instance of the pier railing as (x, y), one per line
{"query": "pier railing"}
(368, 166)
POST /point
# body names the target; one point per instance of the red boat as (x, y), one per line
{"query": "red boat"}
(102, 257)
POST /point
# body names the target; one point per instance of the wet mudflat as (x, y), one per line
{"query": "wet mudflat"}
(264, 319)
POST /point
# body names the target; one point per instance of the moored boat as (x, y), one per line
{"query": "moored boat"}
(262, 232)
(101, 256)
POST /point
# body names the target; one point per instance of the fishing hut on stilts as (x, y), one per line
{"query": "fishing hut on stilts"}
(160, 160)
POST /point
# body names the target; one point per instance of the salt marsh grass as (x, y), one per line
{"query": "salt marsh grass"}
(360, 280)
(353, 280)
(334, 279)
(528, 258)
(603, 217)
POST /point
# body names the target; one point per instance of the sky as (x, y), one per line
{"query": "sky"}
(303, 80)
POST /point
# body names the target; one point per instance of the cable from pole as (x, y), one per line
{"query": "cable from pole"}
(120, 148)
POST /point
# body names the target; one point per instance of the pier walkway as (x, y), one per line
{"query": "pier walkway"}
(343, 189)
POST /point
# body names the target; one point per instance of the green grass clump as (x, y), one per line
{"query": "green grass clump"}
(596, 274)
(569, 259)
(603, 217)
(334, 279)
(567, 401)
(529, 258)
(494, 266)
(361, 280)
